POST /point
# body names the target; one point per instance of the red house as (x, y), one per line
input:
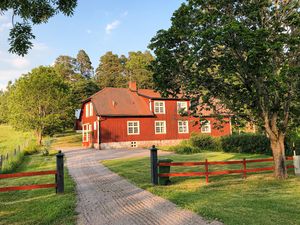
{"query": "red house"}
(131, 117)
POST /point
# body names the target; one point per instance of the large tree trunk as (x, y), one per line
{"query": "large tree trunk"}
(277, 146)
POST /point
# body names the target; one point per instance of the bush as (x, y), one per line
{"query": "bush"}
(32, 148)
(204, 142)
(246, 143)
(182, 149)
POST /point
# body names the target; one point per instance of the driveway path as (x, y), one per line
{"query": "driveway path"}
(106, 198)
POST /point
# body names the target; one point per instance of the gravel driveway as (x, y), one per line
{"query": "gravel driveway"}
(106, 198)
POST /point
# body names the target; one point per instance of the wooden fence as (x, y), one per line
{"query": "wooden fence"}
(59, 177)
(7, 156)
(156, 165)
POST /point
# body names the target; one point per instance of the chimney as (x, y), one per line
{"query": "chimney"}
(132, 86)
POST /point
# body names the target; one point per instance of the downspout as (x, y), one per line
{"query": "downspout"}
(99, 132)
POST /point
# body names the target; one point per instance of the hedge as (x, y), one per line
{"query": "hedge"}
(246, 143)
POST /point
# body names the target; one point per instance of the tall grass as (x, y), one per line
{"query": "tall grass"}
(15, 144)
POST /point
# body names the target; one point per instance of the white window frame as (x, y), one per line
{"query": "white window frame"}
(138, 127)
(204, 126)
(179, 104)
(163, 107)
(133, 144)
(95, 125)
(86, 132)
(164, 126)
(91, 109)
(184, 125)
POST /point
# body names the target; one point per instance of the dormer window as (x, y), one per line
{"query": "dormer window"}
(182, 107)
(159, 107)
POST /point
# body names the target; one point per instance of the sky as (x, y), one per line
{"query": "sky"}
(97, 26)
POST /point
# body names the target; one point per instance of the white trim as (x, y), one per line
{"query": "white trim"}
(87, 107)
(138, 126)
(207, 124)
(86, 132)
(163, 105)
(187, 126)
(164, 126)
(230, 125)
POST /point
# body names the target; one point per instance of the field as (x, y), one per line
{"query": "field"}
(259, 199)
(10, 139)
(66, 140)
(41, 206)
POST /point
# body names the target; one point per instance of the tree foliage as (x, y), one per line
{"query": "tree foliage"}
(115, 71)
(110, 72)
(32, 13)
(39, 101)
(84, 64)
(137, 67)
(245, 53)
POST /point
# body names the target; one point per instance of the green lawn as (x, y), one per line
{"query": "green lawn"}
(41, 206)
(260, 199)
(10, 138)
(67, 139)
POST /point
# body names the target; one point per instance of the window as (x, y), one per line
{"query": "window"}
(183, 126)
(159, 107)
(182, 107)
(133, 127)
(87, 110)
(91, 109)
(133, 144)
(86, 132)
(160, 127)
(205, 127)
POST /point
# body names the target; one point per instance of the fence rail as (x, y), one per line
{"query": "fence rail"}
(156, 165)
(59, 177)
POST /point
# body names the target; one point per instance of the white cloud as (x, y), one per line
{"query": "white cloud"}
(112, 26)
(19, 62)
(88, 31)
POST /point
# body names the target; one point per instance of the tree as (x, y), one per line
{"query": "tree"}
(4, 103)
(110, 72)
(84, 64)
(67, 67)
(137, 67)
(39, 101)
(32, 13)
(245, 53)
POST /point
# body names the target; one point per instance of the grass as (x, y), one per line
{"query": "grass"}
(41, 206)
(10, 139)
(67, 139)
(259, 199)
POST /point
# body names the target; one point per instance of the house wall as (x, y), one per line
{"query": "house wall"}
(113, 130)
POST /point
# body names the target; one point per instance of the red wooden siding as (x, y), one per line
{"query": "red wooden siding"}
(114, 129)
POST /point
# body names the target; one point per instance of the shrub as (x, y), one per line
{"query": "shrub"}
(32, 148)
(204, 142)
(246, 143)
(182, 149)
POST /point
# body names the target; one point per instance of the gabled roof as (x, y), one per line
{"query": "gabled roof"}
(119, 102)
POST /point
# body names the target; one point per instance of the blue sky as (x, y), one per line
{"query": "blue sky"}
(96, 26)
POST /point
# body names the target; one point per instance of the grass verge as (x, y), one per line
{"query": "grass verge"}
(41, 206)
(260, 199)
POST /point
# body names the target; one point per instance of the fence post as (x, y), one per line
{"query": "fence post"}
(153, 158)
(1, 161)
(19, 148)
(15, 151)
(206, 170)
(244, 168)
(6, 156)
(60, 172)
